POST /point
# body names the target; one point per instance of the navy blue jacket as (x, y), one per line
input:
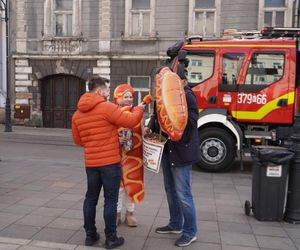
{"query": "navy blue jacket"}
(186, 150)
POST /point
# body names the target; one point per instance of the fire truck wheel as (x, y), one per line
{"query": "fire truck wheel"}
(217, 150)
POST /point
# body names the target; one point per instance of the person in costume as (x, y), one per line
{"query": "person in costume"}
(132, 184)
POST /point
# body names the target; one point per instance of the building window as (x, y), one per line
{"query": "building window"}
(62, 18)
(141, 86)
(139, 18)
(275, 13)
(204, 17)
(63, 12)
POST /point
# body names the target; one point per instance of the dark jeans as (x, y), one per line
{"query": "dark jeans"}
(109, 177)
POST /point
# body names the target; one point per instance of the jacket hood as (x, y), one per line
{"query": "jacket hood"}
(88, 101)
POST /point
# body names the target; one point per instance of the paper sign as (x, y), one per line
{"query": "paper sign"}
(152, 153)
(274, 171)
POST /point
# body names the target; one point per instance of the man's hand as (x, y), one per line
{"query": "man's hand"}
(147, 131)
(142, 104)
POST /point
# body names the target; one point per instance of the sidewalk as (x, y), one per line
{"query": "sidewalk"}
(42, 187)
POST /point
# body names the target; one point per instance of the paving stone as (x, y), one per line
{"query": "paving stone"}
(64, 223)
(34, 201)
(8, 218)
(275, 243)
(132, 242)
(293, 232)
(19, 209)
(297, 242)
(89, 248)
(46, 244)
(209, 216)
(156, 243)
(35, 220)
(55, 203)
(54, 235)
(19, 231)
(235, 227)
(79, 237)
(140, 230)
(208, 225)
(69, 197)
(253, 221)
(36, 248)
(2, 206)
(8, 199)
(208, 236)
(230, 247)
(269, 231)
(6, 240)
(203, 246)
(45, 211)
(73, 214)
(228, 238)
(8, 246)
(237, 218)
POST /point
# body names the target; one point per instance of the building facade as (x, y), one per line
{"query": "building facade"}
(56, 45)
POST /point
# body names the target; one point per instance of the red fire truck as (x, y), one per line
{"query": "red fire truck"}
(247, 91)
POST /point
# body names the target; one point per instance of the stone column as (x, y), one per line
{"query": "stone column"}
(105, 25)
(48, 18)
(76, 17)
(21, 29)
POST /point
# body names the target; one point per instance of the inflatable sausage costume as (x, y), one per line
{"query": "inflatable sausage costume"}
(132, 158)
(171, 103)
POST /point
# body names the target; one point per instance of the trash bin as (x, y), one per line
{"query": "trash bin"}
(270, 168)
(292, 210)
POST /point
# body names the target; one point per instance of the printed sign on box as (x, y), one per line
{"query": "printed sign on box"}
(152, 153)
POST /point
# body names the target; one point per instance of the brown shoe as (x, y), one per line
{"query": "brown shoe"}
(119, 219)
(130, 220)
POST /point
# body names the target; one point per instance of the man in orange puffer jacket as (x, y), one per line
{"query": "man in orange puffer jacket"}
(95, 127)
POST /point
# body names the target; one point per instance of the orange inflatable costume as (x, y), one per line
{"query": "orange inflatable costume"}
(132, 161)
(171, 103)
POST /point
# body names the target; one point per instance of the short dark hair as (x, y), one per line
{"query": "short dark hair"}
(96, 82)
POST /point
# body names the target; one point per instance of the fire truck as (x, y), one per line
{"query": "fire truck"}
(247, 90)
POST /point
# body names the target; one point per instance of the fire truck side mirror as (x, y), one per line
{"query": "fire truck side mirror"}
(182, 55)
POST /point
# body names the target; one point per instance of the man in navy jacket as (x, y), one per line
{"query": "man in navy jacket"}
(177, 161)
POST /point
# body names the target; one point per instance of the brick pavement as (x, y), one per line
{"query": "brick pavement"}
(42, 186)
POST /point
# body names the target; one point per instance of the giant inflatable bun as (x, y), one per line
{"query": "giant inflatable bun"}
(171, 103)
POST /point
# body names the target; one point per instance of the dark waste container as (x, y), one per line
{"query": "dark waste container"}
(292, 210)
(270, 168)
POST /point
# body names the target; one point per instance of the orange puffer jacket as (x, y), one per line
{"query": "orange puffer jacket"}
(95, 127)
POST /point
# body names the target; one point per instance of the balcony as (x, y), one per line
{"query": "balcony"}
(63, 45)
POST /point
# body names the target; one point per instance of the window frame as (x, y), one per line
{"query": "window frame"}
(128, 19)
(282, 53)
(198, 53)
(192, 17)
(287, 9)
(50, 19)
(64, 14)
(140, 89)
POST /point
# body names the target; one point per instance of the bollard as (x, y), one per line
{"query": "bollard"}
(292, 212)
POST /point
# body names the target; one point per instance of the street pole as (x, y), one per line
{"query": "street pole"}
(8, 127)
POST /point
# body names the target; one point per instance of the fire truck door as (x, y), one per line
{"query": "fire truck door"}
(264, 94)
(231, 63)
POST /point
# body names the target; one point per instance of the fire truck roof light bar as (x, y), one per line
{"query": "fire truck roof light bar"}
(196, 37)
(280, 32)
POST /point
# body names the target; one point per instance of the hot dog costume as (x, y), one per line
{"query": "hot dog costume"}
(132, 161)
